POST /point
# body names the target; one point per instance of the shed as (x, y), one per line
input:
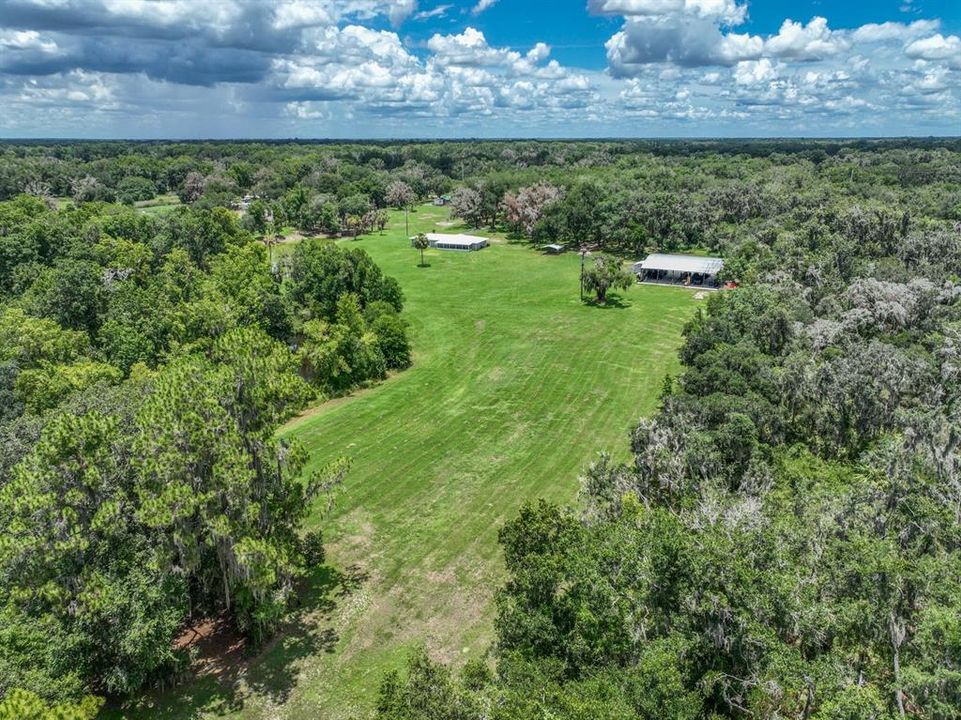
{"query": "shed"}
(455, 242)
(553, 248)
(681, 269)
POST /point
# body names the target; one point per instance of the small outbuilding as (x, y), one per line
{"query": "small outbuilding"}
(691, 270)
(455, 242)
(552, 249)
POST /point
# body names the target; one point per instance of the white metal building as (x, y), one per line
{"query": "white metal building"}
(455, 242)
(682, 269)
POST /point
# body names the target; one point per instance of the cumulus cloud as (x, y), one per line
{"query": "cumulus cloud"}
(471, 49)
(805, 42)
(937, 47)
(539, 52)
(301, 14)
(754, 72)
(26, 40)
(726, 11)
(806, 75)
(463, 74)
(883, 32)
(325, 64)
(305, 60)
(467, 48)
(180, 41)
(681, 62)
(77, 88)
(692, 40)
(688, 43)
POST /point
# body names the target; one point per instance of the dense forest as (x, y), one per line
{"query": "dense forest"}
(786, 542)
(145, 365)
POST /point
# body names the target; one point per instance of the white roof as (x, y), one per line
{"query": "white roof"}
(456, 239)
(681, 263)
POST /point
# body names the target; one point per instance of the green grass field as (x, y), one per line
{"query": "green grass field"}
(160, 205)
(515, 387)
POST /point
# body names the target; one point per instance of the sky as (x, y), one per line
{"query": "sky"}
(479, 68)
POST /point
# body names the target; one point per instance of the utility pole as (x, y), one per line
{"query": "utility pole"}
(583, 255)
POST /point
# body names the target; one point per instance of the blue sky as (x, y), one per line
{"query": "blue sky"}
(478, 68)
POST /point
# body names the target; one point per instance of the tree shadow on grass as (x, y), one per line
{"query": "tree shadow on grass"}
(614, 302)
(226, 669)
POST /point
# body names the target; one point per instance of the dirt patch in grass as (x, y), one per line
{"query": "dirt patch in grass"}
(215, 644)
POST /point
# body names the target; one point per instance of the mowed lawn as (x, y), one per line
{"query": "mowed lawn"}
(516, 386)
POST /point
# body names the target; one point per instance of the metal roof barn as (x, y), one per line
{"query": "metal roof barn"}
(689, 270)
(455, 242)
(681, 264)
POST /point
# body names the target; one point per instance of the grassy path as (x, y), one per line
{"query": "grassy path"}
(516, 385)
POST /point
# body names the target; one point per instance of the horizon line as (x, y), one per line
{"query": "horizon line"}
(466, 138)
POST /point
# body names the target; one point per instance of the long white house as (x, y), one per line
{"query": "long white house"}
(455, 242)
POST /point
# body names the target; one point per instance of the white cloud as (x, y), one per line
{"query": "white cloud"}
(396, 10)
(483, 5)
(26, 40)
(468, 48)
(400, 10)
(805, 42)
(754, 72)
(301, 14)
(726, 11)
(306, 110)
(216, 14)
(688, 43)
(539, 52)
(887, 31)
(936, 47)
(935, 80)
(439, 11)
(78, 88)
(463, 73)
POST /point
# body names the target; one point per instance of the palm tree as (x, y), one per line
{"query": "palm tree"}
(421, 243)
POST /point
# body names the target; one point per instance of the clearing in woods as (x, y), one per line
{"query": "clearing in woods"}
(515, 387)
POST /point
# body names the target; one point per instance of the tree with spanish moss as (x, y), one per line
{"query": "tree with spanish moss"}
(604, 274)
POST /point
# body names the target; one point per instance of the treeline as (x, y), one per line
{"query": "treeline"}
(628, 196)
(786, 542)
(146, 364)
(705, 204)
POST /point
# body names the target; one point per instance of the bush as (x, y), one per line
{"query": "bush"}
(312, 546)
(135, 189)
(23, 705)
(391, 331)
